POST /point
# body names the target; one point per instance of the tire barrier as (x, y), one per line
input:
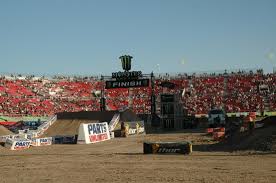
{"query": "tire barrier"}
(167, 147)
(67, 139)
(17, 144)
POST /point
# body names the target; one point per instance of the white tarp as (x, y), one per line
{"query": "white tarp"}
(93, 132)
(17, 144)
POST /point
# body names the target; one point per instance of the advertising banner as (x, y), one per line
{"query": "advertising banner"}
(132, 128)
(93, 132)
(67, 139)
(42, 141)
(127, 83)
(167, 147)
(17, 144)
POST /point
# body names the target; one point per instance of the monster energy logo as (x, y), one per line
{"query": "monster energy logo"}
(126, 62)
(124, 75)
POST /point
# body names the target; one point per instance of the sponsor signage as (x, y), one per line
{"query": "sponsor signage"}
(132, 128)
(126, 62)
(93, 132)
(68, 139)
(127, 75)
(167, 147)
(15, 144)
(97, 132)
(45, 141)
(126, 78)
(42, 141)
(22, 145)
(127, 83)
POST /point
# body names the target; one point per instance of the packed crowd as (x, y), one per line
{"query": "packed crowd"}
(236, 92)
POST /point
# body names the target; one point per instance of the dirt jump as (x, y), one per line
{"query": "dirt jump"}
(4, 131)
(260, 139)
(65, 127)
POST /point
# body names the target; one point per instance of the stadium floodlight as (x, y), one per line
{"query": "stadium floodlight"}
(126, 62)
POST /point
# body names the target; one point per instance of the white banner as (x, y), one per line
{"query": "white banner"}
(42, 141)
(17, 144)
(93, 132)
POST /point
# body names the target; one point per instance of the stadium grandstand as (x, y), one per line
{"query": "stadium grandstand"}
(243, 91)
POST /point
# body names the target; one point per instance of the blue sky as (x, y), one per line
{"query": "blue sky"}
(88, 36)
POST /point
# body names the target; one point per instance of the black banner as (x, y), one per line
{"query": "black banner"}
(167, 147)
(67, 139)
(127, 83)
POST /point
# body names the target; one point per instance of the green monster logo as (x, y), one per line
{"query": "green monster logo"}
(126, 62)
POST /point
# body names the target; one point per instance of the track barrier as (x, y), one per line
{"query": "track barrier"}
(42, 141)
(67, 139)
(167, 147)
(93, 133)
(17, 144)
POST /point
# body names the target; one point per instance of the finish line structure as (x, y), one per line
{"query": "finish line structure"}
(128, 79)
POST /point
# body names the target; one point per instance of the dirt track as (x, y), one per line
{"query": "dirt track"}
(121, 160)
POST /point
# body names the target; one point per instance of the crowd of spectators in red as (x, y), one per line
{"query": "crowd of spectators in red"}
(235, 92)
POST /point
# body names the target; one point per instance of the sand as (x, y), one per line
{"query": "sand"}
(122, 160)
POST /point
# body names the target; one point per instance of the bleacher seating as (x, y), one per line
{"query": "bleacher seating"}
(236, 92)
